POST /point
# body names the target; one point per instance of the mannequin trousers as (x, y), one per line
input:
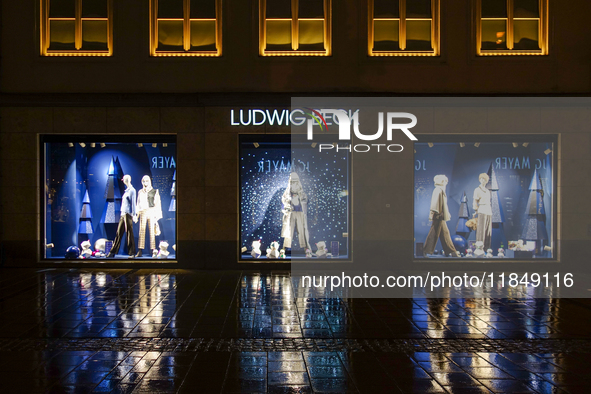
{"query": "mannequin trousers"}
(298, 221)
(439, 231)
(484, 230)
(125, 226)
(144, 219)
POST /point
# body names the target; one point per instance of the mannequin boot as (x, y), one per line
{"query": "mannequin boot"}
(139, 253)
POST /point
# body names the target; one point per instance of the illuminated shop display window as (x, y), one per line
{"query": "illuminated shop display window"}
(294, 200)
(77, 27)
(403, 27)
(186, 27)
(512, 27)
(486, 197)
(109, 197)
(295, 27)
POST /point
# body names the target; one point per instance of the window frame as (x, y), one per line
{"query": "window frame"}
(186, 31)
(295, 31)
(542, 32)
(78, 19)
(435, 31)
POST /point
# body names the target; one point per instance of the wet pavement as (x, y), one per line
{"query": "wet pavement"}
(165, 331)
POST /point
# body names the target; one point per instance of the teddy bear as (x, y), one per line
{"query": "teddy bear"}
(256, 249)
(163, 252)
(479, 252)
(273, 250)
(501, 253)
(99, 248)
(282, 254)
(469, 253)
(489, 253)
(321, 252)
(86, 251)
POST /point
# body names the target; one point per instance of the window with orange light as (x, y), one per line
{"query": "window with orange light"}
(76, 27)
(295, 27)
(186, 28)
(512, 27)
(404, 27)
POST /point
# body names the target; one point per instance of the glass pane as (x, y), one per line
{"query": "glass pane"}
(418, 35)
(94, 9)
(525, 34)
(94, 35)
(170, 36)
(418, 8)
(202, 9)
(311, 35)
(61, 35)
(386, 35)
(494, 8)
(386, 9)
(62, 9)
(278, 9)
(311, 9)
(527, 9)
(203, 36)
(170, 9)
(279, 35)
(494, 34)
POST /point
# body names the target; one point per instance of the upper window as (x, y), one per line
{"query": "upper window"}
(76, 28)
(512, 27)
(404, 27)
(186, 28)
(295, 27)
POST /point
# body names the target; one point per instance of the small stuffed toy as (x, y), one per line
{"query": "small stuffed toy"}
(469, 253)
(309, 253)
(321, 252)
(99, 248)
(86, 252)
(501, 253)
(272, 251)
(163, 252)
(256, 249)
(479, 252)
(282, 254)
(154, 253)
(489, 253)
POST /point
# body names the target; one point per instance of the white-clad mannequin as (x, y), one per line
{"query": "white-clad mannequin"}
(149, 210)
(482, 208)
(295, 207)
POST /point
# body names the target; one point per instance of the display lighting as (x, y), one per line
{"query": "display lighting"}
(462, 144)
(430, 144)
(164, 144)
(70, 144)
(140, 145)
(93, 145)
(256, 144)
(82, 144)
(103, 144)
(314, 144)
(548, 151)
(477, 144)
(525, 144)
(515, 144)
(154, 145)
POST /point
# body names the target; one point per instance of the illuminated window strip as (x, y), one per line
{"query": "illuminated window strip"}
(542, 31)
(402, 31)
(186, 31)
(78, 19)
(295, 31)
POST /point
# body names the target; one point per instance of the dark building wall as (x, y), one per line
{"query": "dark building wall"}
(349, 69)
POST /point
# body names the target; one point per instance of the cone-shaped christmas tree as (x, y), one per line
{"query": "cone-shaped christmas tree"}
(463, 217)
(112, 210)
(85, 226)
(498, 237)
(534, 228)
(172, 207)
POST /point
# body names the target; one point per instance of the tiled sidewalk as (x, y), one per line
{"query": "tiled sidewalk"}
(212, 332)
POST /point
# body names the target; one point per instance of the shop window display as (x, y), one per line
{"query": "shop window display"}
(294, 200)
(109, 197)
(490, 198)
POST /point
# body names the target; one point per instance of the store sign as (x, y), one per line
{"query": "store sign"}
(279, 117)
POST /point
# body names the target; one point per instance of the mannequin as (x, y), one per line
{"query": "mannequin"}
(149, 211)
(438, 215)
(482, 208)
(295, 205)
(128, 212)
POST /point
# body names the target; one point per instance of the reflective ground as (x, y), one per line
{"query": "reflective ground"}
(233, 332)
